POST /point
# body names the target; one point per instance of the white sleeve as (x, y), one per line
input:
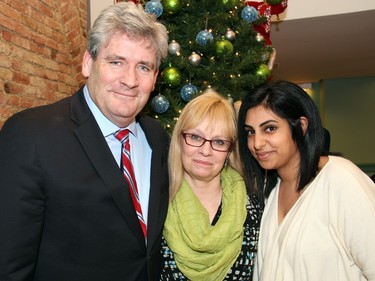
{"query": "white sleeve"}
(352, 197)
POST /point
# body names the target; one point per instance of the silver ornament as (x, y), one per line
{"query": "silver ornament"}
(259, 37)
(194, 58)
(230, 35)
(174, 48)
(265, 57)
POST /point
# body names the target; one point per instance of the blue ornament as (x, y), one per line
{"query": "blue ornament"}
(204, 37)
(160, 103)
(154, 7)
(250, 14)
(188, 92)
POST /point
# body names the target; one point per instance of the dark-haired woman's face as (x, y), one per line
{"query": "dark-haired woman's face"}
(269, 139)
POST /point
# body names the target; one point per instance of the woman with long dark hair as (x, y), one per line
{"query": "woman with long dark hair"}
(319, 216)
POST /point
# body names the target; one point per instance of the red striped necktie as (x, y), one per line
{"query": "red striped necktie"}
(127, 169)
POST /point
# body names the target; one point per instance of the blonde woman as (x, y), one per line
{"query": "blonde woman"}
(212, 224)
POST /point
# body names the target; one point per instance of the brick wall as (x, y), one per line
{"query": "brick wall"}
(41, 48)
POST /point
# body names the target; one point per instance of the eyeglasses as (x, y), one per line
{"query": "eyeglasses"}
(198, 141)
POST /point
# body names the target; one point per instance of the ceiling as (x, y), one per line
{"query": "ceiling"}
(328, 47)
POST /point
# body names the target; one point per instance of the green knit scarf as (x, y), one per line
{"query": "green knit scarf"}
(202, 251)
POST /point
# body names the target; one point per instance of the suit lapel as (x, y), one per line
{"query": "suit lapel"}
(99, 154)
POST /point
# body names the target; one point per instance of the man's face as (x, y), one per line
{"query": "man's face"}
(122, 77)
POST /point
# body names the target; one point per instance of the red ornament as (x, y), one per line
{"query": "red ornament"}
(266, 10)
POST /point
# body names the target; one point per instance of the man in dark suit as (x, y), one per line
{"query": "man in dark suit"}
(66, 212)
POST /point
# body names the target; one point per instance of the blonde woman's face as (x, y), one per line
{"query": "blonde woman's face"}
(203, 163)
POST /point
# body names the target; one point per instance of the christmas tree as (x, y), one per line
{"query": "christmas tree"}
(212, 43)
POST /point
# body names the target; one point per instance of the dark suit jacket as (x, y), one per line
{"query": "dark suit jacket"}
(65, 208)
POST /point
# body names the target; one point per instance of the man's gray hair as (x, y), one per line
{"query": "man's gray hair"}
(130, 19)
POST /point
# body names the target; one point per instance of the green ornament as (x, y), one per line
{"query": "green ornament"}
(171, 7)
(224, 48)
(274, 2)
(171, 76)
(263, 72)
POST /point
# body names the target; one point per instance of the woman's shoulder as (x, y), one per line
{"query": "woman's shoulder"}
(343, 178)
(342, 168)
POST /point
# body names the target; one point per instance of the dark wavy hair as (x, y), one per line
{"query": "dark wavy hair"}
(290, 102)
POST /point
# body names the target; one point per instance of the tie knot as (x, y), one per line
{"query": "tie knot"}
(122, 135)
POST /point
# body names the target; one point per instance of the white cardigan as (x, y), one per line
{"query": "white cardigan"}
(328, 235)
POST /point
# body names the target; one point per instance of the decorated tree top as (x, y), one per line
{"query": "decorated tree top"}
(212, 43)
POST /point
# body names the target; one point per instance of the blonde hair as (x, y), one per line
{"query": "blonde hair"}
(209, 105)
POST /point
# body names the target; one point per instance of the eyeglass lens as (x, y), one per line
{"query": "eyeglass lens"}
(198, 141)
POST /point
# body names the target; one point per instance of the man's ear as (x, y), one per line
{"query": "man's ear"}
(86, 64)
(304, 123)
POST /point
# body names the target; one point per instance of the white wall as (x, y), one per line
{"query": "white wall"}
(94, 8)
(298, 9)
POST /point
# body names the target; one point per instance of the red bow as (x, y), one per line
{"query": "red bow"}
(267, 10)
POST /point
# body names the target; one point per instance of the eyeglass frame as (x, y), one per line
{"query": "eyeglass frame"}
(206, 140)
